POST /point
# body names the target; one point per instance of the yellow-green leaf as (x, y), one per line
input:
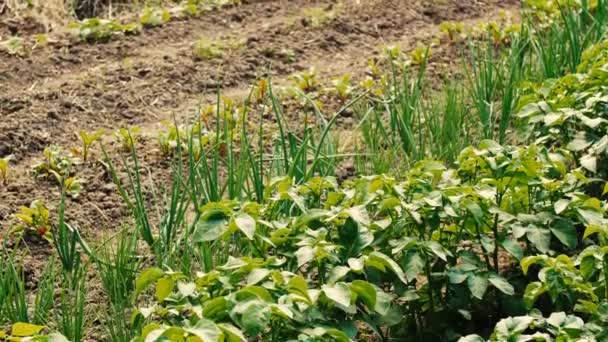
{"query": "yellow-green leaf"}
(25, 329)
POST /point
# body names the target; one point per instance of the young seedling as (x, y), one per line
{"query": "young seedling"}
(4, 169)
(56, 163)
(306, 81)
(205, 49)
(34, 218)
(14, 46)
(343, 86)
(127, 137)
(87, 141)
(420, 54)
(72, 186)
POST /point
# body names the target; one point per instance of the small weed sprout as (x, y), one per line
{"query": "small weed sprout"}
(420, 54)
(127, 137)
(14, 46)
(452, 29)
(88, 139)
(34, 218)
(319, 16)
(306, 81)
(205, 49)
(56, 163)
(72, 186)
(342, 86)
(41, 40)
(4, 169)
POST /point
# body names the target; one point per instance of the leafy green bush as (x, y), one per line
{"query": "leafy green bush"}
(374, 255)
(571, 113)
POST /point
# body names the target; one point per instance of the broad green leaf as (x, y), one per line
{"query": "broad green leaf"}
(257, 275)
(232, 333)
(456, 277)
(146, 278)
(304, 254)
(478, 284)
(206, 330)
(245, 224)
(590, 216)
(475, 210)
(540, 237)
(413, 264)
(592, 229)
(20, 329)
(164, 287)
(209, 229)
(532, 292)
(297, 284)
(356, 265)
(565, 232)
(359, 214)
(337, 273)
(311, 215)
(502, 284)
(513, 247)
(589, 162)
(561, 205)
(365, 291)
(438, 250)
(215, 307)
(339, 293)
(531, 260)
(471, 338)
(382, 259)
(255, 318)
(254, 291)
(508, 328)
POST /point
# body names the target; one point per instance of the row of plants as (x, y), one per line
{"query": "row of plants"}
(253, 239)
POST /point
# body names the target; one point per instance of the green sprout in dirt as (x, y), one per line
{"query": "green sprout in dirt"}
(127, 137)
(170, 138)
(14, 46)
(88, 139)
(342, 86)
(41, 40)
(205, 49)
(452, 29)
(34, 218)
(420, 54)
(56, 163)
(154, 17)
(319, 16)
(72, 186)
(4, 170)
(306, 81)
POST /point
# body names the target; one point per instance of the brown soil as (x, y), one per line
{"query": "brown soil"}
(47, 96)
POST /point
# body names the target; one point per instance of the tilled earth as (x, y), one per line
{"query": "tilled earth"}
(49, 95)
